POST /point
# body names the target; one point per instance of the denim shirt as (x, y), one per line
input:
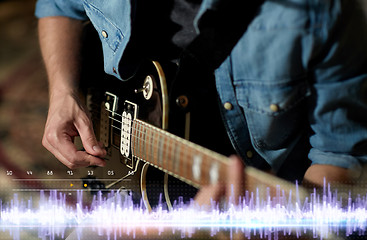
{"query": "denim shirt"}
(299, 76)
(293, 89)
(111, 18)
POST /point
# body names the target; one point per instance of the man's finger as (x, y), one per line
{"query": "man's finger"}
(90, 143)
(64, 149)
(209, 193)
(79, 158)
(90, 159)
(59, 156)
(235, 184)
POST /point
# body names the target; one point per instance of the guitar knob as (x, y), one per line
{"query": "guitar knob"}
(107, 105)
(140, 90)
(182, 101)
(147, 88)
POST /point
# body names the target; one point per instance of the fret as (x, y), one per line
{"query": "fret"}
(186, 162)
(180, 159)
(204, 169)
(138, 139)
(136, 134)
(155, 147)
(189, 162)
(160, 150)
(150, 146)
(184, 159)
(192, 157)
(177, 158)
(145, 143)
(165, 152)
(133, 139)
(142, 143)
(172, 155)
(164, 149)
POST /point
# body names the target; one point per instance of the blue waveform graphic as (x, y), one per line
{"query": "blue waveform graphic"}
(115, 215)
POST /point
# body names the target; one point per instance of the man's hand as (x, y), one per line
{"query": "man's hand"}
(68, 118)
(60, 41)
(232, 189)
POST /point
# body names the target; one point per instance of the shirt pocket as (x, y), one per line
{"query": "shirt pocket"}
(275, 112)
(108, 32)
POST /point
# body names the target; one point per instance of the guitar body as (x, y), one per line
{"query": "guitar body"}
(143, 123)
(115, 104)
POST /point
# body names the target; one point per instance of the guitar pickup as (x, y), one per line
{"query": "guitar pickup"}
(128, 116)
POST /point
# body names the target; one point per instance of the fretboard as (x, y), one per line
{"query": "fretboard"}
(197, 165)
(185, 160)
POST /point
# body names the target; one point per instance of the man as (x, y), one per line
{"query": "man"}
(291, 77)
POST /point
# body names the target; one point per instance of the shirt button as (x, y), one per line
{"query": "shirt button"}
(249, 154)
(274, 107)
(228, 106)
(114, 70)
(104, 34)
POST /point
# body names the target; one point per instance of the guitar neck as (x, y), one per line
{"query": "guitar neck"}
(185, 160)
(180, 158)
(199, 166)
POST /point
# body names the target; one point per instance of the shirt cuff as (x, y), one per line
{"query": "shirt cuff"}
(336, 159)
(71, 8)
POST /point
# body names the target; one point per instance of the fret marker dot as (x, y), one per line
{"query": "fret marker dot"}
(196, 170)
(213, 173)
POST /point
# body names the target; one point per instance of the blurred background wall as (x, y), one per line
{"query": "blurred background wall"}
(23, 102)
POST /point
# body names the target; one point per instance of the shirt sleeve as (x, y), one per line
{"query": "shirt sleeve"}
(339, 122)
(70, 8)
(339, 119)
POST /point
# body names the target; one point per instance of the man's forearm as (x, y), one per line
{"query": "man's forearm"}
(316, 174)
(60, 40)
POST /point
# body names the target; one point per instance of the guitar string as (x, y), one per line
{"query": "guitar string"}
(131, 120)
(141, 132)
(144, 140)
(137, 136)
(140, 123)
(166, 153)
(154, 155)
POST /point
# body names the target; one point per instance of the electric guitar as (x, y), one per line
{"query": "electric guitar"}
(159, 147)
